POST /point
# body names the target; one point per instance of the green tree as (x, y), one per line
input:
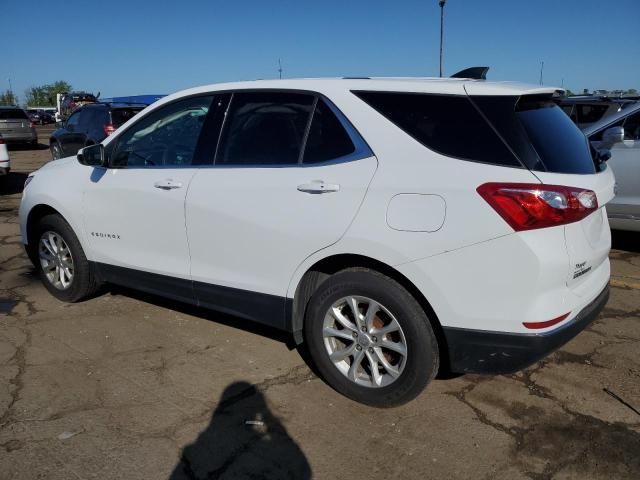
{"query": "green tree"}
(8, 98)
(45, 95)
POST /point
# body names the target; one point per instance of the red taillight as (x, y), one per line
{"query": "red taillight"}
(546, 324)
(109, 129)
(1, 141)
(30, 124)
(527, 206)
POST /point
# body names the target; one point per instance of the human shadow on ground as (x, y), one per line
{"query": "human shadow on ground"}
(244, 440)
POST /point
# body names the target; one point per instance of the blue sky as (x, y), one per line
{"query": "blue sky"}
(136, 47)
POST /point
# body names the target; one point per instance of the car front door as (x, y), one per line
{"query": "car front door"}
(625, 163)
(134, 210)
(290, 174)
(71, 139)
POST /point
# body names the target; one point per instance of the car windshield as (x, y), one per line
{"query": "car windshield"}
(6, 114)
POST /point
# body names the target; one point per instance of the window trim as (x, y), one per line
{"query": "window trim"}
(362, 149)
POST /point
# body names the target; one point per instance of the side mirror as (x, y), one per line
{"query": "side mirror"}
(92, 156)
(610, 137)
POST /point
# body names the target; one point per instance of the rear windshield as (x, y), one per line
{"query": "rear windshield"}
(121, 115)
(6, 114)
(543, 137)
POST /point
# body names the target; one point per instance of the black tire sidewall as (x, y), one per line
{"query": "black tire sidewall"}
(422, 348)
(80, 283)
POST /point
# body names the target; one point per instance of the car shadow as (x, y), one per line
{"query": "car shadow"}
(244, 440)
(624, 240)
(20, 147)
(206, 314)
(12, 183)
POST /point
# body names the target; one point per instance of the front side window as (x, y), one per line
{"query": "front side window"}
(166, 137)
(74, 120)
(265, 128)
(632, 127)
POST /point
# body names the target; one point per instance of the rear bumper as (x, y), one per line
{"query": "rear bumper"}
(21, 137)
(478, 351)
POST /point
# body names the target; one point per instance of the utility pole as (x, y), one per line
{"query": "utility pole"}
(441, 3)
(280, 68)
(541, 69)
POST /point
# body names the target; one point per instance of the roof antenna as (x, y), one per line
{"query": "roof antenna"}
(280, 68)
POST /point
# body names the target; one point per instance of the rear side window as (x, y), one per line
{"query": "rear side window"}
(265, 128)
(447, 124)
(590, 113)
(121, 115)
(327, 139)
(6, 114)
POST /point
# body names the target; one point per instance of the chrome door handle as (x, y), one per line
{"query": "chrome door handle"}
(318, 186)
(167, 184)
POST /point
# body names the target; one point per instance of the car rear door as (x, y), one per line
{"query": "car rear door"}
(290, 174)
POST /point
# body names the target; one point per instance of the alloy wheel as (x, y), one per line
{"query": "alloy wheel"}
(364, 341)
(56, 260)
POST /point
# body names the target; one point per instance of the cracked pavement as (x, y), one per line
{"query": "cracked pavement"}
(127, 385)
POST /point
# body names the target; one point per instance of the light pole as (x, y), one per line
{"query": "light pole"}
(441, 3)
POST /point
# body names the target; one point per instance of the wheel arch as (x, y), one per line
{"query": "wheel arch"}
(35, 214)
(324, 268)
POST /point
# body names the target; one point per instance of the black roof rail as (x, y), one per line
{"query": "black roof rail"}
(477, 73)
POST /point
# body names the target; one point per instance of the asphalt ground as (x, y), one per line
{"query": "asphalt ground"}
(132, 386)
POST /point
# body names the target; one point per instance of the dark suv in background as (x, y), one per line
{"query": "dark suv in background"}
(89, 125)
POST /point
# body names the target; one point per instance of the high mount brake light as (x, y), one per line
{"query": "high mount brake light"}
(528, 206)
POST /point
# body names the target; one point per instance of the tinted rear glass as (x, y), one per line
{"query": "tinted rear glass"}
(6, 114)
(542, 136)
(561, 146)
(327, 139)
(447, 124)
(121, 115)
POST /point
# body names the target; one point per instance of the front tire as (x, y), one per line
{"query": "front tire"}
(56, 151)
(370, 339)
(64, 268)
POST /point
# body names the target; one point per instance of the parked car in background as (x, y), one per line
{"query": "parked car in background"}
(89, 125)
(586, 110)
(5, 165)
(623, 146)
(70, 102)
(394, 225)
(34, 116)
(16, 127)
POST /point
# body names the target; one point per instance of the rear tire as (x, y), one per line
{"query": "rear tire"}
(64, 269)
(392, 354)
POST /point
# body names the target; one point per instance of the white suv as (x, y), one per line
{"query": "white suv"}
(395, 226)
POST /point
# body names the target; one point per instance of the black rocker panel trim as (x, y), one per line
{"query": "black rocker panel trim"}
(258, 307)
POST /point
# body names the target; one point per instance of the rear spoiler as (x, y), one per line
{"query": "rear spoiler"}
(476, 73)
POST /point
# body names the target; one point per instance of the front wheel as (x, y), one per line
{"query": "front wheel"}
(64, 268)
(370, 339)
